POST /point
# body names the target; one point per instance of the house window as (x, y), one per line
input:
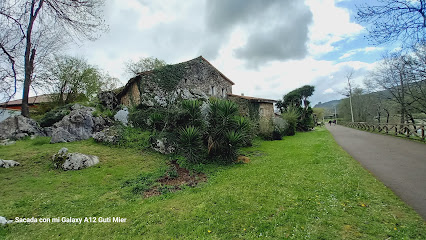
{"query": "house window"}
(261, 111)
(223, 92)
(212, 90)
(186, 81)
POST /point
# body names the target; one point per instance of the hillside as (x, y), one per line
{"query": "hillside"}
(328, 105)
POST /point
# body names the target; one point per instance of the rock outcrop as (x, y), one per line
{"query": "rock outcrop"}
(108, 99)
(73, 161)
(80, 124)
(17, 127)
(8, 163)
(110, 135)
(161, 145)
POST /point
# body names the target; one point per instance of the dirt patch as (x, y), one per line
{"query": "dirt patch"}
(174, 180)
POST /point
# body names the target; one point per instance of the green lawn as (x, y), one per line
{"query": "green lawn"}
(303, 187)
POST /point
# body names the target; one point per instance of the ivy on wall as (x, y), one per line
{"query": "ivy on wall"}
(169, 76)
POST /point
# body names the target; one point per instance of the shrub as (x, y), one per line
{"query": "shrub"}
(55, 115)
(190, 144)
(280, 128)
(291, 116)
(226, 131)
(245, 127)
(156, 121)
(192, 112)
(230, 148)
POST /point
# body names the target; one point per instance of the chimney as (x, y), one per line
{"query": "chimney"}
(242, 94)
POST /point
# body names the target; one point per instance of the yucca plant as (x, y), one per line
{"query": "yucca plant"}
(190, 144)
(192, 111)
(227, 131)
(233, 140)
(244, 126)
(221, 121)
(156, 121)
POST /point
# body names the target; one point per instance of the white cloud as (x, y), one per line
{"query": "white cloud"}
(331, 24)
(176, 31)
(360, 50)
(328, 90)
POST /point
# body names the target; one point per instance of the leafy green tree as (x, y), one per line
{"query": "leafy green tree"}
(143, 64)
(73, 79)
(298, 99)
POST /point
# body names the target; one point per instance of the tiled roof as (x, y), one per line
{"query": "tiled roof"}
(253, 99)
(31, 100)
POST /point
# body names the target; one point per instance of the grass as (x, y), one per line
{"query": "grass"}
(302, 187)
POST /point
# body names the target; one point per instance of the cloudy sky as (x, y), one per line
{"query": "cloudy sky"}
(267, 47)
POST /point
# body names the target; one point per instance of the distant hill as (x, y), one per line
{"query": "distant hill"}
(328, 105)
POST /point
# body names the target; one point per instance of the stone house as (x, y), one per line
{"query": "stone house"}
(259, 110)
(194, 79)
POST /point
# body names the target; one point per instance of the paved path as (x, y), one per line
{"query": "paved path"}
(399, 163)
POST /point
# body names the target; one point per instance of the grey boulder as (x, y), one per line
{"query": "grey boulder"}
(122, 116)
(79, 124)
(8, 163)
(108, 99)
(162, 145)
(110, 135)
(73, 161)
(17, 127)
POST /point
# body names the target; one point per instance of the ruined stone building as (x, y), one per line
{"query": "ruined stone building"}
(194, 79)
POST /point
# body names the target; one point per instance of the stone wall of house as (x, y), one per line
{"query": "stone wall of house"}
(266, 110)
(132, 97)
(202, 76)
(261, 113)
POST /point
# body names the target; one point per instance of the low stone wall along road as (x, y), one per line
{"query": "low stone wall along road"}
(399, 163)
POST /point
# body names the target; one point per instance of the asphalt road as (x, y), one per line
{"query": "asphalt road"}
(399, 163)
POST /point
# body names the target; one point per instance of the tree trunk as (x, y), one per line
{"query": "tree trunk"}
(403, 109)
(29, 58)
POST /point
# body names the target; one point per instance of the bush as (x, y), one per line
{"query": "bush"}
(190, 144)
(291, 116)
(192, 112)
(55, 115)
(280, 128)
(105, 113)
(226, 130)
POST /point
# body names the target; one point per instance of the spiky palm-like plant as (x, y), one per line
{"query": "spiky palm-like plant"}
(190, 144)
(192, 112)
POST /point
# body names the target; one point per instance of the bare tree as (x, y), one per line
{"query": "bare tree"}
(391, 75)
(393, 20)
(348, 90)
(349, 76)
(415, 77)
(34, 29)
